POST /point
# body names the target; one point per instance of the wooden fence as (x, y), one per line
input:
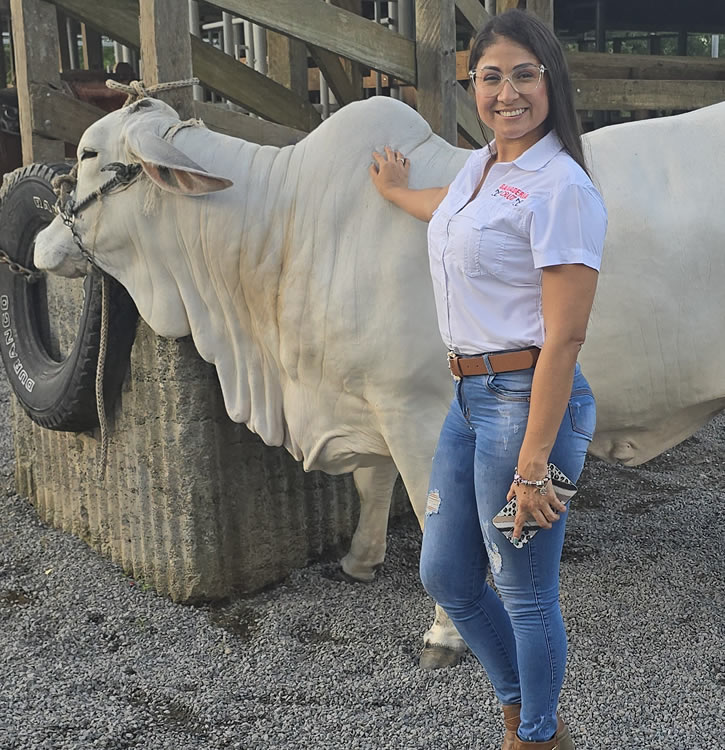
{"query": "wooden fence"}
(341, 43)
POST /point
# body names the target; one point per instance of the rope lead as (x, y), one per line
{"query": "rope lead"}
(100, 369)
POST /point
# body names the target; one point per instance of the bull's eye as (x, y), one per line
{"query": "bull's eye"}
(88, 153)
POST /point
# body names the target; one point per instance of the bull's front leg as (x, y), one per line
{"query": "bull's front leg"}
(367, 549)
(442, 645)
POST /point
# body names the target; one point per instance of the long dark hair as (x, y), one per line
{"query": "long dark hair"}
(527, 30)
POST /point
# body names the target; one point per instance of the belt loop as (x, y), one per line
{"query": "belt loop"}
(487, 362)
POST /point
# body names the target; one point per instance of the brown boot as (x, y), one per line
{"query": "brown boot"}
(512, 721)
(562, 741)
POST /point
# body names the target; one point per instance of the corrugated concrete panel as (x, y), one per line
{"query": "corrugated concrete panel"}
(192, 504)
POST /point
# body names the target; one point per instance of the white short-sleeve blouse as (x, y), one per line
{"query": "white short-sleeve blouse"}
(486, 255)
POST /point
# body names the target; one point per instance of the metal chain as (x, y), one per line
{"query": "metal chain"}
(30, 276)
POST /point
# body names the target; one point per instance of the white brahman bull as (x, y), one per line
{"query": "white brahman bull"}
(311, 295)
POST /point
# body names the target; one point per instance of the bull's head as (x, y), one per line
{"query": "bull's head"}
(133, 135)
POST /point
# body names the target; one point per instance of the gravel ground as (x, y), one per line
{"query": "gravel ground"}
(90, 659)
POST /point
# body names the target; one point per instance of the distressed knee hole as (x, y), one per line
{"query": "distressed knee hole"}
(494, 558)
(434, 502)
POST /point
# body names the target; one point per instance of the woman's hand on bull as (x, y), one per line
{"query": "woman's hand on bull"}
(530, 503)
(389, 170)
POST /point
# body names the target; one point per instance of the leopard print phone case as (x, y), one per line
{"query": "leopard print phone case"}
(565, 490)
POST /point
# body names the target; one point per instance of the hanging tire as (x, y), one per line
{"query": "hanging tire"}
(56, 389)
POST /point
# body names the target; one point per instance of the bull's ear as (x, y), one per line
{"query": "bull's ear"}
(170, 168)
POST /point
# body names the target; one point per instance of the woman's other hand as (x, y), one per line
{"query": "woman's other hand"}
(530, 503)
(389, 171)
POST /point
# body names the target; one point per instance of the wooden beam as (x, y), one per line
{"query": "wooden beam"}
(337, 79)
(631, 95)
(166, 50)
(250, 89)
(115, 18)
(65, 118)
(219, 72)
(645, 67)
(435, 28)
(37, 52)
(92, 48)
(652, 67)
(243, 126)
(474, 13)
(59, 116)
(334, 29)
(468, 123)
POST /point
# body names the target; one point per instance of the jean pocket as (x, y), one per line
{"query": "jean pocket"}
(511, 386)
(583, 414)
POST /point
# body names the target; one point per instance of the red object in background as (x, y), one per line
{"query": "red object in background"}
(86, 85)
(90, 86)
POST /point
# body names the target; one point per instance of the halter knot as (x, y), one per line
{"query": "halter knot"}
(137, 90)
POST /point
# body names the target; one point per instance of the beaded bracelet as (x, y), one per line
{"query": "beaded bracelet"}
(539, 483)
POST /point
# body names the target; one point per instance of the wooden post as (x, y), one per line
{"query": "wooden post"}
(287, 62)
(92, 49)
(166, 50)
(544, 9)
(682, 43)
(435, 27)
(35, 34)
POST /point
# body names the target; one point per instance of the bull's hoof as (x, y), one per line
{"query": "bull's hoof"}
(438, 657)
(351, 579)
(336, 573)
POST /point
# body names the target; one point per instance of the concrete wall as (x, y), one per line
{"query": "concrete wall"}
(192, 504)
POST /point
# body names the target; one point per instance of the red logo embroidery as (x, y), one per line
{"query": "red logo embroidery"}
(510, 193)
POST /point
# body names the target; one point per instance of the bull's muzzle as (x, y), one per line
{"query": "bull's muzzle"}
(56, 252)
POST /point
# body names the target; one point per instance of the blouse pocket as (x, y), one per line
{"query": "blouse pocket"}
(484, 251)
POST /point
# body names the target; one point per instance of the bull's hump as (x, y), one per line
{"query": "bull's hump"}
(382, 115)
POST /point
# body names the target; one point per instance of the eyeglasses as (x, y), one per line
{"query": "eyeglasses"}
(524, 80)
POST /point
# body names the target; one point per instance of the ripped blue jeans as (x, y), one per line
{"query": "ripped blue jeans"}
(519, 638)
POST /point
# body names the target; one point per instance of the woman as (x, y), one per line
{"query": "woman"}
(515, 246)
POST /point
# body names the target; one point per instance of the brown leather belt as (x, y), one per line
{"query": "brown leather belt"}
(523, 359)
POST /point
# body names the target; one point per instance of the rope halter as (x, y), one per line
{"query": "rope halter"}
(64, 185)
(68, 209)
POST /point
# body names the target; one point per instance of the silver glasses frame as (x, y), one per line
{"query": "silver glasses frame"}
(473, 73)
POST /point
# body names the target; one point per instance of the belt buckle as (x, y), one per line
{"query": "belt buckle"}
(452, 356)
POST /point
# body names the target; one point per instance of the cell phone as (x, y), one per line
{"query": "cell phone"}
(564, 489)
